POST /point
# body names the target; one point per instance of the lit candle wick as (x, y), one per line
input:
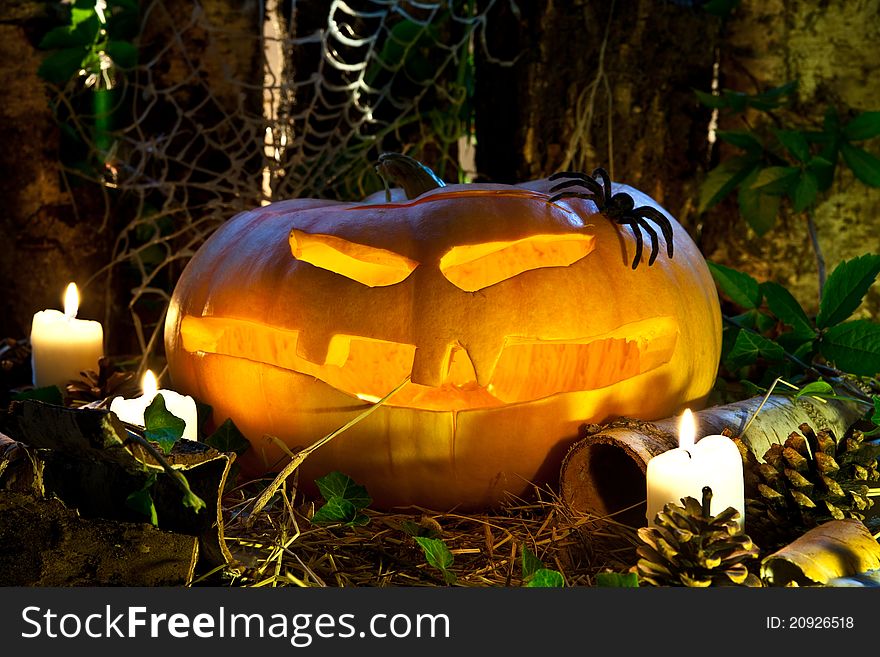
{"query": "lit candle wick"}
(71, 301)
(149, 385)
(687, 430)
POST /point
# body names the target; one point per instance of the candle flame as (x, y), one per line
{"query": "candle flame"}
(687, 430)
(149, 385)
(368, 398)
(71, 301)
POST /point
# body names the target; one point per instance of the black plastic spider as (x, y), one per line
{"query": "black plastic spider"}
(619, 208)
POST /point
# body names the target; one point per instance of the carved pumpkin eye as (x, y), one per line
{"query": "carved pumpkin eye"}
(471, 267)
(368, 265)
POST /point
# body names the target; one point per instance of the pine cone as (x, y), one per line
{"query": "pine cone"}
(688, 548)
(93, 386)
(810, 479)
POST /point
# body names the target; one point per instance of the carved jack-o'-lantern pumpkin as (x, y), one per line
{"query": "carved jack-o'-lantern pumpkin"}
(510, 318)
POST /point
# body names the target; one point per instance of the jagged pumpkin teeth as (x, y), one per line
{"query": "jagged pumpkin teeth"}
(369, 369)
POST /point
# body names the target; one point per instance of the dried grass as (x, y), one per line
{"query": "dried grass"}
(281, 547)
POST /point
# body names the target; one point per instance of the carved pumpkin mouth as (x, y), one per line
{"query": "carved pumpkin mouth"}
(526, 369)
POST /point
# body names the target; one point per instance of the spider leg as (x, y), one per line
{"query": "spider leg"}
(658, 218)
(637, 233)
(599, 172)
(587, 182)
(562, 195)
(655, 244)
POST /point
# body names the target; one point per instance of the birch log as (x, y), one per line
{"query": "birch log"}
(603, 473)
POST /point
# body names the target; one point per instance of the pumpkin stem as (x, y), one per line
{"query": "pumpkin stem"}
(410, 174)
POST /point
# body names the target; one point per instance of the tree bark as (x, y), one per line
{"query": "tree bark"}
(51, 235)
(832, 52)
(598, 84)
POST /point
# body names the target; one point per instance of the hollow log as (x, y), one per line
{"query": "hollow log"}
(45, 543)
(603, 473)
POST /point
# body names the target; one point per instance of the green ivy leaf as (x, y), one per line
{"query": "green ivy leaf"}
(864, 126)
(437, 555)
(61, 66)
(818, 388)
(845, 288)
(339, 510)
(787, 309)
(46, 394)
(736, 101)
(728, 339)
(65, 36)
(530, 563)
(83, 12)
(336, 484)
(742, 289)
(806, 190)
(776, 180)
(797, 345)
(141, 501)
(618, 580)
(876, 417)
(723, 179)
(162, 426)
(546, 578)
(795, 142)
(710, 100)
(853, 347)
(742, 139)
(748, 319)
(764, 322)
(227, 438)
(436, 552)
(803, 351)
(751, 346)
(191, 500)
(831, 121)
(756, 207)
(864, 165)
(823, 169)
(774, 97)
(123, 53)
(751, 389)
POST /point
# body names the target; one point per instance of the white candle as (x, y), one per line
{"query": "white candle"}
(63, 346)
(713, 461)
(182, 406)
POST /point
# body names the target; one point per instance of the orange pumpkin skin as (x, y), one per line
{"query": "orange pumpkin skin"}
(501, 376)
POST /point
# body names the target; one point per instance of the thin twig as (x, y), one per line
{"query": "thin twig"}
(777, 380)
(820, 259)
(300, 456)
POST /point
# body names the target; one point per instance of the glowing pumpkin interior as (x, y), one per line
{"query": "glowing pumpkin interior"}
(526, 368)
